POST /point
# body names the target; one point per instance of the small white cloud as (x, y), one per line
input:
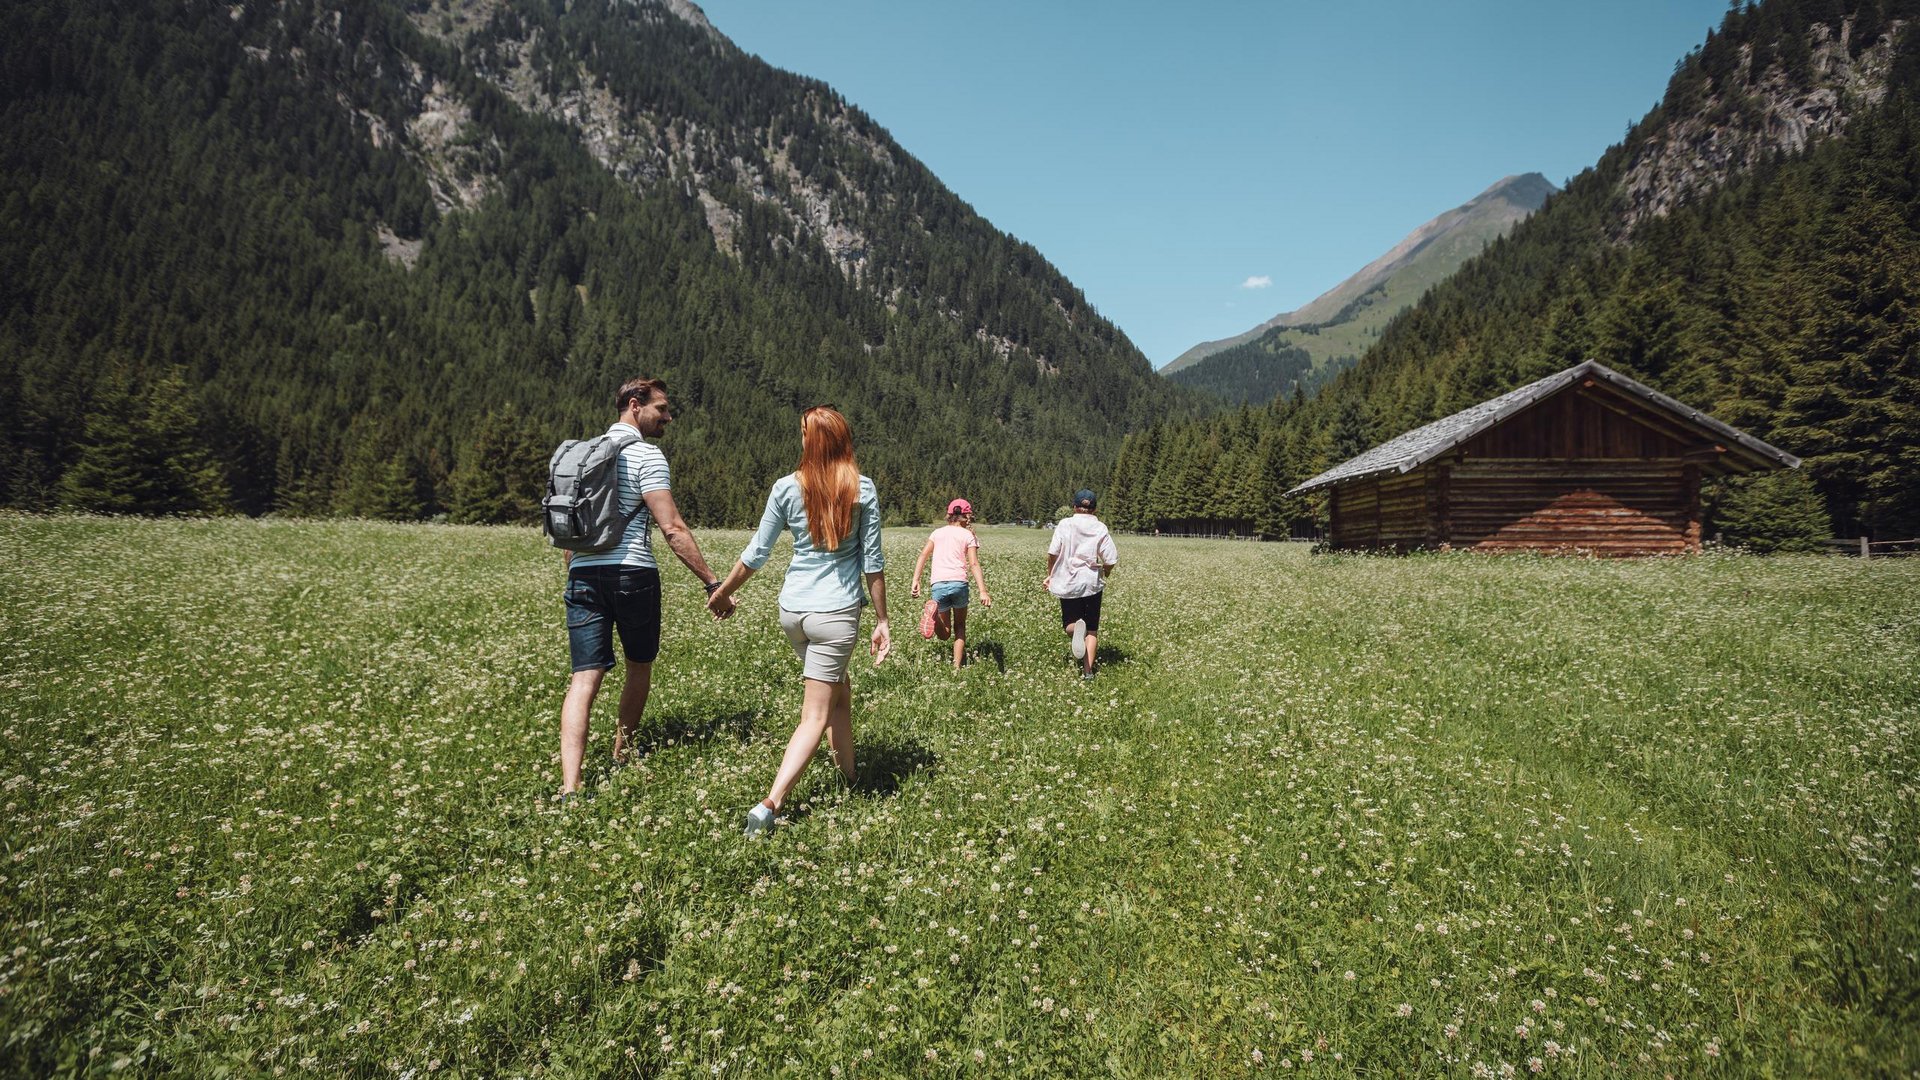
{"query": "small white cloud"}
(1258, 281)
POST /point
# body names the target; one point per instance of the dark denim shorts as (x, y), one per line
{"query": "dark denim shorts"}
(603, 599)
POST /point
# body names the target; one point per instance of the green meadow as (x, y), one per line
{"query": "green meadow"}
(278, 800)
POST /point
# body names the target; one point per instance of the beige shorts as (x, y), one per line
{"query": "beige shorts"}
(823, 640)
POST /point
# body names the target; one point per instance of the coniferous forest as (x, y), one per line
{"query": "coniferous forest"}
(239, 277)
(1785, 301)
(243, 272)
(1254, 371)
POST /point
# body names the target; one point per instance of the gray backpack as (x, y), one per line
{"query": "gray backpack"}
(582, 504)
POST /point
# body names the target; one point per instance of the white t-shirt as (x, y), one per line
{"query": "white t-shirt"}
(643, 468)
(1083, 545)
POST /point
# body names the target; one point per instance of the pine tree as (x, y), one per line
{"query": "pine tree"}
(1349, 435)
(396, 495)
(1127, 500)
(142, 452)
(501, 473)
(1775, 511)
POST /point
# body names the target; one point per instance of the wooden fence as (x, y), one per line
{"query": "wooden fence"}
(1869, 549)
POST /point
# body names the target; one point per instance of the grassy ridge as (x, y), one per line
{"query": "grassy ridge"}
(276, 797)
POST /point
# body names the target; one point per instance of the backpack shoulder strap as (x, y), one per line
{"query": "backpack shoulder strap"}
(621, 442)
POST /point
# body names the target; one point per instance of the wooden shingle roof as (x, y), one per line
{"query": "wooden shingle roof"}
(1408, 452)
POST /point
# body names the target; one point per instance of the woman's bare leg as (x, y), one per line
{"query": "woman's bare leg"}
(840, 727)
(815, 710)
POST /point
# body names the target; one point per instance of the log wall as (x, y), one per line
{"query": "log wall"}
(1354, 513)
(1645, 507)
(1383, 512)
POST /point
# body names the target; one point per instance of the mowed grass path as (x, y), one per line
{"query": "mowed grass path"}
(277, 801)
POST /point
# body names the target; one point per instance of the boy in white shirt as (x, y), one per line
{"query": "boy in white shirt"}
(1079, 559)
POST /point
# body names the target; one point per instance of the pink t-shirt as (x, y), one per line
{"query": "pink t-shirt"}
(950, 544)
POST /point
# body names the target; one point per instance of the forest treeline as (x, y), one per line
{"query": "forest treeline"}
(1786, 303)
(1256, 371)
(197, 313)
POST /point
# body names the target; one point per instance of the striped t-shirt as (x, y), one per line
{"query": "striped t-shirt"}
(643, 468)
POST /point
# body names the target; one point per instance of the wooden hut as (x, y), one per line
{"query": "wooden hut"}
(1586, 461)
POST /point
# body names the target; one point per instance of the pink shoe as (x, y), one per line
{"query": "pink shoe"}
(926, 619)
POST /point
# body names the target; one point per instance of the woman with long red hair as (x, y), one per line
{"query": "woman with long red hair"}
(833, 513)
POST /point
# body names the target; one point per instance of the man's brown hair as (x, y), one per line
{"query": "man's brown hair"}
(644, 389)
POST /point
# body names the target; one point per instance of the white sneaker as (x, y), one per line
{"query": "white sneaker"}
(759, 820)
(1079, 639)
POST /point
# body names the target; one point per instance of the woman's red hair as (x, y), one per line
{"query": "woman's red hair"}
(829, 477)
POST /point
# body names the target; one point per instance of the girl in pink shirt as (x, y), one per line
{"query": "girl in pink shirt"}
(954, 551)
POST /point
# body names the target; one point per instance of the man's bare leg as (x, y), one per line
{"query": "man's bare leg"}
(633, 703)
(574, 711)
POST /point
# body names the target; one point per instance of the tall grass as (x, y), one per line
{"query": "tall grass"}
(277, 800)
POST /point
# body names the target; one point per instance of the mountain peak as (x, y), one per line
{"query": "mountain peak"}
(690, 13)
(1528, 191)
(1426, 255)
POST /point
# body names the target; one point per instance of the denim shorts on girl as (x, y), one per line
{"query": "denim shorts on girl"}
(948, 595)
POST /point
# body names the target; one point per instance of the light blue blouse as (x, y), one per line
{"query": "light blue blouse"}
(819, 580)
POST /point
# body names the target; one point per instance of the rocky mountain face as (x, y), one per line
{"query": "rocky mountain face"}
(1726, 114)
(642, 141)
(357, 232)
(820, 168)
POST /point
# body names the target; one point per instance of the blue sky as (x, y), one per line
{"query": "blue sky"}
(1167, 157)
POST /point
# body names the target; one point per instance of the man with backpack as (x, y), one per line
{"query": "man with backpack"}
(604, 495)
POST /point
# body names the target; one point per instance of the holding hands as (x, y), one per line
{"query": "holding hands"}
(720, 594)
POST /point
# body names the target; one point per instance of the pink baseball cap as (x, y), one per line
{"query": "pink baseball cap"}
(959, 506)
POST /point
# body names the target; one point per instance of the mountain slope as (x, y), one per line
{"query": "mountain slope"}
(392, 252)
(1423, 256)
(1309, 345)
(1750, 248)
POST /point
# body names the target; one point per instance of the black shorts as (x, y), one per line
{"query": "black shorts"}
(1073, 609)
(605, 599)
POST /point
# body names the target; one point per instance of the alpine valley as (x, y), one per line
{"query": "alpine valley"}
(1751, 247)
(372, 258)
